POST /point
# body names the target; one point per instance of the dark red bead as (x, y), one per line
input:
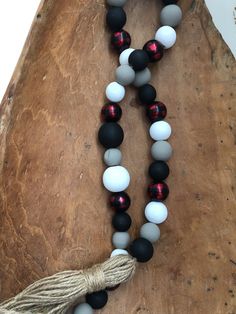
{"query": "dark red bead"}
(111, 112)
(158, 191)
(154, 49)
(121, 40)
(156, 111)
(120, 201)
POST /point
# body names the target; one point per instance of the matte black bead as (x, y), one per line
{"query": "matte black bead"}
(138, 59)
(167, 2)
(97, 300)
(110, 135)
(121, 221)
(120, 201)
(159, 171)
(116, 18)
(147, 94)
(111, 112)
(142, 250)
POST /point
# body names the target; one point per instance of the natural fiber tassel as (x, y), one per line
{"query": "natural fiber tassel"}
(58, 293)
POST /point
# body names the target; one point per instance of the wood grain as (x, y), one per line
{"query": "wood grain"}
(54, 213)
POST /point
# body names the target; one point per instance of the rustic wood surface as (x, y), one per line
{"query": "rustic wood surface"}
(54, 214)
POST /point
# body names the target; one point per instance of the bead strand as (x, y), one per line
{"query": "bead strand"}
(133, 69)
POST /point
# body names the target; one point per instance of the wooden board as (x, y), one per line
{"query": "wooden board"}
(54, 213)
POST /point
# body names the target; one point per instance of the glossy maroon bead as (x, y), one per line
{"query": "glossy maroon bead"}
(154, 49)
(158, 191)
(121, 40)
(120, 201)
(111, 112)
(156, 111)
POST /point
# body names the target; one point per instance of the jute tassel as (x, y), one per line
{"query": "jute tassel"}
(58, 293)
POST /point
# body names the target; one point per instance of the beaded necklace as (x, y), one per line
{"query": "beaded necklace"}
(116, 178)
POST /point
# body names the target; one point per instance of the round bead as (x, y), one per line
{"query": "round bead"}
(125, 75)
(142, 250)
(150, 231)
(120, 40)
(115, 92)
(166, 35)
(121, 221)
(120, 240)
(159, 171)
(116, 18)
(116, 3)
(166, 2)
(124, 56)
(158, 191)
(119, 252)
(112, 157)
(156, 111)
(97, 300)
(161, 150)
(83, 308)
(147, 94)
(120, 201)
(138, 59)
(116, 179)
(142, 77)
(160, 130)
(171, 15)
(111, 112)
(156, 212)
(154, 49)
(110, 135)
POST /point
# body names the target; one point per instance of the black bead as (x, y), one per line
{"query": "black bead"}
(111, 112)
(120, 201)
(138, 59)
(167, 2)
(98, 299)
(116, 18)
(147, 94)
(110, 135)
(142, 250)
(159, 171)
(121, 221)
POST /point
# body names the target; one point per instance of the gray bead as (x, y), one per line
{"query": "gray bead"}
(116, 3)
(83, 308)
(171, 15)
(161, 150)
(125, 75)
(150, 232)
(121, 240)
(112, 157)
(142, 77)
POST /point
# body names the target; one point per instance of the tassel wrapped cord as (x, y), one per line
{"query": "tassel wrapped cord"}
(58, 293)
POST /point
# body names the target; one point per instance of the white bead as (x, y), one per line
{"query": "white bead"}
(119, 252)
(124, 56)
(166, 35)
(160, 131)
(83, 308)
(115, 92)
(116, 179)
(156, 212)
